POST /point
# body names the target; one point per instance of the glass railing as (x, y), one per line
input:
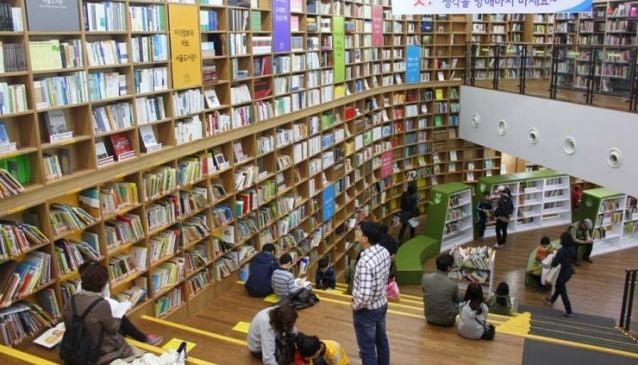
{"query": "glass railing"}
(604, 76)
(629, 308)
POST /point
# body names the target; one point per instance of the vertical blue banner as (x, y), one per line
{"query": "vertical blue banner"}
(412, 64)
(328, 202)
(281, 26)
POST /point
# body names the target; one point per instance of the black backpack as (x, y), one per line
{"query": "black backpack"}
(285, 347)
(505, 206)
(77, 347)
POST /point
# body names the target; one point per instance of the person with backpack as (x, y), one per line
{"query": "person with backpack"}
(271, 335)
(503, 214)
(92, 335)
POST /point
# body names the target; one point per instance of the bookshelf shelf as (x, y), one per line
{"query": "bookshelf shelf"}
(355, 168)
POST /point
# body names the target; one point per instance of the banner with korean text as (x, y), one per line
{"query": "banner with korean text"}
(414, 7)
(281, 26)
(183, 24)
(412, 64)
(377, 25)
(339, 49)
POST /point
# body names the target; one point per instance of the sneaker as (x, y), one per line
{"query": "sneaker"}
(496, 245)
(589, 260)
(567, 315)
(548, 301)
(154, 339)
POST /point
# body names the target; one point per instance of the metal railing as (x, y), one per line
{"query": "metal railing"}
(628, 300)
(605, 76)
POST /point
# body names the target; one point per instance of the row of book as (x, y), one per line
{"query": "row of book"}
(123, 230)
(12, 57)
(19, 279)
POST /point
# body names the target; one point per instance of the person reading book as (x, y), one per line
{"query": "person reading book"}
(119, 309)
(99, 323)
(500, 302)
(441, 294)
(268, 325)
(283, 281)
(582, 233)
(535, 267)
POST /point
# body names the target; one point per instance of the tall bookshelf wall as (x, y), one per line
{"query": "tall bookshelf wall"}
(174, 189)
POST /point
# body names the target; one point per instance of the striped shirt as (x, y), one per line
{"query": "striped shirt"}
(371, 278)
(283, 283)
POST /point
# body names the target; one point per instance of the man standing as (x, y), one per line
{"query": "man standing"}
(503, 213)
(582, 234)
(369, 301)
(441, 294)
(483, 211)
(261, 268)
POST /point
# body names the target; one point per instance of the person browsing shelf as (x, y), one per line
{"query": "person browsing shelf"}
(582, 232)
(409, 210)
(503, 214)
(483, 212)
(325, 275)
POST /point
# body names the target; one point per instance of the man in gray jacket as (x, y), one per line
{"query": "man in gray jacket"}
(440, 294)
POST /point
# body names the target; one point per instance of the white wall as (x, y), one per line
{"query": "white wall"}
(594, 130)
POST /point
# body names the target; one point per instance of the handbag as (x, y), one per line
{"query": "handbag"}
(392, 290)
(413, 222)
(489, 331)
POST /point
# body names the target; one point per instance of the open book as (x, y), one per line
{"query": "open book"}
(119, 309)
(51, 337)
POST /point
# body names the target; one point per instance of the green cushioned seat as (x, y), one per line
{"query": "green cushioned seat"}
(411, 256)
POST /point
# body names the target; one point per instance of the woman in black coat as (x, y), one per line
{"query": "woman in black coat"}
(409, 210)
(564, 257)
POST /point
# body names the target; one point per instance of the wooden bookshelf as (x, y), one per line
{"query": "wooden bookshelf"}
(316, 155)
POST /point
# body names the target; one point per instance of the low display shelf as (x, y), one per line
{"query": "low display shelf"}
(615, 219)
(541, 199)
(473, 265)
(450, 218)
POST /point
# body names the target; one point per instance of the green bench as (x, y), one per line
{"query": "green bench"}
(411, 256)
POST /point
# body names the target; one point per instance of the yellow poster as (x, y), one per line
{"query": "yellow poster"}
(183, 25)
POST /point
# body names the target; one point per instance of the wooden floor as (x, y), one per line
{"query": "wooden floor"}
(595, 289)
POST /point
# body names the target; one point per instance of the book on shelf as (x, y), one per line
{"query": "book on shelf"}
(101, 153)
(10, 18)
(122, 147)
(57, 126)
(149, 141)
(64, 159)
(211, 98)
(12, 57)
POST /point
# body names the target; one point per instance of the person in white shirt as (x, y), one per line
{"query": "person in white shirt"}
(369, 301)
(265, 327)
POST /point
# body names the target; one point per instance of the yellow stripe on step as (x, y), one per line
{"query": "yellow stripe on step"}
(341, 295)
(195, 330)
(157, 350)
(23, 356)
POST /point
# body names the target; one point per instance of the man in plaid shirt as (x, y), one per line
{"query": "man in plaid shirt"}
(369, 302)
